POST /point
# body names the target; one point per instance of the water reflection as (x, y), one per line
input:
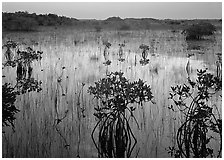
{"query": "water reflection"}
(24, 82)
(121, 52)
(47, 125)
(10, 48)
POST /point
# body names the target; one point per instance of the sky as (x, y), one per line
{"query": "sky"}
(103, 10)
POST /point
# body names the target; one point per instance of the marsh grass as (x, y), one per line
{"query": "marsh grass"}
(35, 135)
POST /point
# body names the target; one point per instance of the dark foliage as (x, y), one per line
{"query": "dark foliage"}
(113, 19)
(29, 55)
(194, 135)
(24, 21)
(115, 92)
(10, 44)
(27, 85)
(8, 107)
(98, 28)
(24, 83)
(145, 49)
(173, 22)
(197, 31)
(124, 27)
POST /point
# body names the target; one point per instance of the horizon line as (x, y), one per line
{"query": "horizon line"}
(117, 16)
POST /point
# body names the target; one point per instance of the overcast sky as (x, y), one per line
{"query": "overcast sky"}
(103, 10)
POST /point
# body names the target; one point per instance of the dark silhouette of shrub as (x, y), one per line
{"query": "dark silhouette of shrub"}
(23, 84)
(144, 49)
(197, 31)
(98, 28)
(21, 24)
(24, 21)
(8, 105)
(202, 124)
(114, 19)
(115, 94)
(125, 27)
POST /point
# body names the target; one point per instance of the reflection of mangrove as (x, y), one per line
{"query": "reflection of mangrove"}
(144, 61)
(121, 59)
(24, 59)
(107, 63)
(152, 47)
(27, 85)
(145, 50)
(80, 114)
(121, 52)
(58, 118)
(219, 66)
(115, 93)
(8, 105)
(10, 45)
(24, 82)
(24, 71)
(57, 121)
(106, 52)
(188, 65)
(29, 55)
(203, 122)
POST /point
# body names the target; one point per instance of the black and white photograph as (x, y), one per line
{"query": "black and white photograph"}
(129, 79)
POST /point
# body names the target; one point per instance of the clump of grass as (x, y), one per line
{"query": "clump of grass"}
(115, 93)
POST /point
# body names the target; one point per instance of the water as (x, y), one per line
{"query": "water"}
(36, 134)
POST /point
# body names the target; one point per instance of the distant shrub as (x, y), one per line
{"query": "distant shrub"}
(174, 22)
(98, 28)
(114, 19)
(125, 27)
(197, 31)
(21, 24)
(24, 21)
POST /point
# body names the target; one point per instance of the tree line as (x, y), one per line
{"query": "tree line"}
(24, 21)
